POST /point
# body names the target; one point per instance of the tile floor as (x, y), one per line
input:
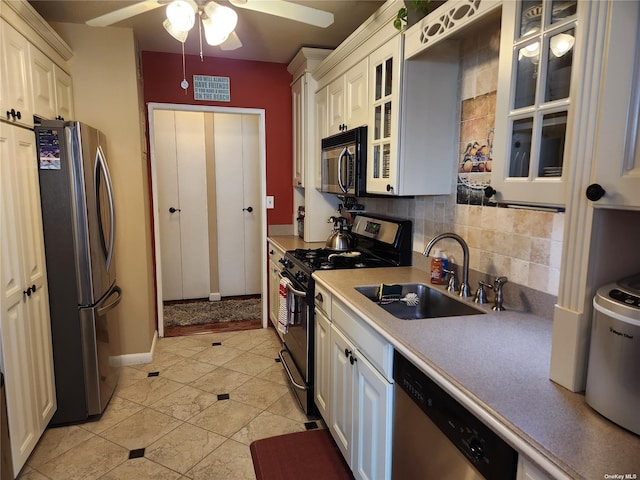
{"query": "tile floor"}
(190, 414)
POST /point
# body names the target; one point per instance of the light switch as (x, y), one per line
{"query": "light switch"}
(270, 201)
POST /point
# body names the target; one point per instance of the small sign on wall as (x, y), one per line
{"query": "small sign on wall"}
(211, 89)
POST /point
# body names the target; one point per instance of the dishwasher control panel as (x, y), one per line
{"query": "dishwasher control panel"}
(484, 449)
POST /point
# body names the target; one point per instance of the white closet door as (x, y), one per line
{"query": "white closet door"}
(192, 185)
(251, 179)
(168, 197)
(181, 182)
(237, 189)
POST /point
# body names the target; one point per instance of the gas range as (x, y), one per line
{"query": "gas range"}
(380, 242)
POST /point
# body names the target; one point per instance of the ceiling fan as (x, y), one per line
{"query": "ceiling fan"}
(217, 21)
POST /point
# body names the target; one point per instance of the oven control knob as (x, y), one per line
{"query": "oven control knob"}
(475, 448)
(301, 277)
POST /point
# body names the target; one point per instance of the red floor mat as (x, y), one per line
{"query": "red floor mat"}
(311, 455)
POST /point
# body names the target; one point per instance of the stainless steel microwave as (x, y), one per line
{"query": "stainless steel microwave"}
(344, 163)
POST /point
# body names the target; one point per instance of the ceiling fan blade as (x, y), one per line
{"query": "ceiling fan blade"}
(231, 43)
(293, 11)
(124, 13)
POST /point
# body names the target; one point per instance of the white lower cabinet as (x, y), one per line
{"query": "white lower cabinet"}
(354, 397)
(322, 382)
(275, 269)
(25, 328)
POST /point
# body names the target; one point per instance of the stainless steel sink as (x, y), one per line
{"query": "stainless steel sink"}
(432, 303)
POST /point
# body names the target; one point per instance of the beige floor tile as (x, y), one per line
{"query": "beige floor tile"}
(244, 342)
(230, 461)
(249, 363)
(129, 376)
(141, 429)
(275, 373)
(267, 349)
(89, 460)
(217, 355)
(287, 406)
(149, 390)
(266, 425)
(140, 469)
(225, 417)
(185, 403)
(258, 393)
(31, 474)
(177, 346)
(161, 361)
(57, 441)
(221, 380)
(117, 410)
(183, 447)
(187, 370)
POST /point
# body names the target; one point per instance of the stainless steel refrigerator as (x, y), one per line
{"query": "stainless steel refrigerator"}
(79, 233)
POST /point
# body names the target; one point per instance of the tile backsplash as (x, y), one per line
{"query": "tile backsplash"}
(523, 244)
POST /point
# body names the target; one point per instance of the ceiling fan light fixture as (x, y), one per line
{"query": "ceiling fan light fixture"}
(214, 36)
(177, 34)
(223, 19)
(182, 14)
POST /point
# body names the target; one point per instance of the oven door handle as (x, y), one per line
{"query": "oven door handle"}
(286, 368)
(298, 293)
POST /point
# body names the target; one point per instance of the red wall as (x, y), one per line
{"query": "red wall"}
(253, 85)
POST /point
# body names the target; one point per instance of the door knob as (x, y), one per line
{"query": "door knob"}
(595, 192)
(248, 209)
(174, 210)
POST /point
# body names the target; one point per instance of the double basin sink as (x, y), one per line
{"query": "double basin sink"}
(431, 303)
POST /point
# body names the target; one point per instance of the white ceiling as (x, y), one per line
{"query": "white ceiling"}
(265, 37)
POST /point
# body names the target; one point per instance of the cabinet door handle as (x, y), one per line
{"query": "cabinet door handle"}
(347, 352)
(174, 210)
(29, 291)
(319, 297)
(352, 359)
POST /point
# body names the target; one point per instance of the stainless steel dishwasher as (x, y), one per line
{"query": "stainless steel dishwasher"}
(435, 437)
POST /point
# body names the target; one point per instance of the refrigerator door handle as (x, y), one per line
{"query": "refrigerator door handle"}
(101, 163)
(116, 291)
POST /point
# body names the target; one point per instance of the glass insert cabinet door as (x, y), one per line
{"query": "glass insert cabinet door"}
(538, 41)
(384, 67)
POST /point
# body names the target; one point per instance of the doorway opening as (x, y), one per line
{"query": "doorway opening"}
(208, 179)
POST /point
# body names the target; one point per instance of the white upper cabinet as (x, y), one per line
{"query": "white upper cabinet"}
(347, 106)
(64, 94)
(534, 100)
(616, 167)
(43, 84)
(15, 88)
(412, 120)
(298, 93)
(32, 83)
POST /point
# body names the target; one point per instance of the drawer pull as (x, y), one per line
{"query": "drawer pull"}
(319, 297)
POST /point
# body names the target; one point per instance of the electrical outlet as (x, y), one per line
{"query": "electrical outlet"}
(270, 201)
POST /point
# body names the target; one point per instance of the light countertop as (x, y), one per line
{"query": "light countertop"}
(497, 365)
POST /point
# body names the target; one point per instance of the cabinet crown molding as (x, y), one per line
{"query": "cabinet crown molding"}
(382, 18)
(21, 15)
(306, 60)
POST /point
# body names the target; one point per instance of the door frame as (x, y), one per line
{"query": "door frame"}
(154, 192)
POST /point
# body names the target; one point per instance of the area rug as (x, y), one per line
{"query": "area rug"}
(311, 455)
(203, 311)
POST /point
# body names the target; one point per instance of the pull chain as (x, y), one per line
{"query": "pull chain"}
(200, 31)
(184, 84)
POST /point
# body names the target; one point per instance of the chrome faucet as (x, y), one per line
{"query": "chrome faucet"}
(465, 289)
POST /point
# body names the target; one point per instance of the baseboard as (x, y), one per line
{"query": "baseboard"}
(214, 297)
(135, 358)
